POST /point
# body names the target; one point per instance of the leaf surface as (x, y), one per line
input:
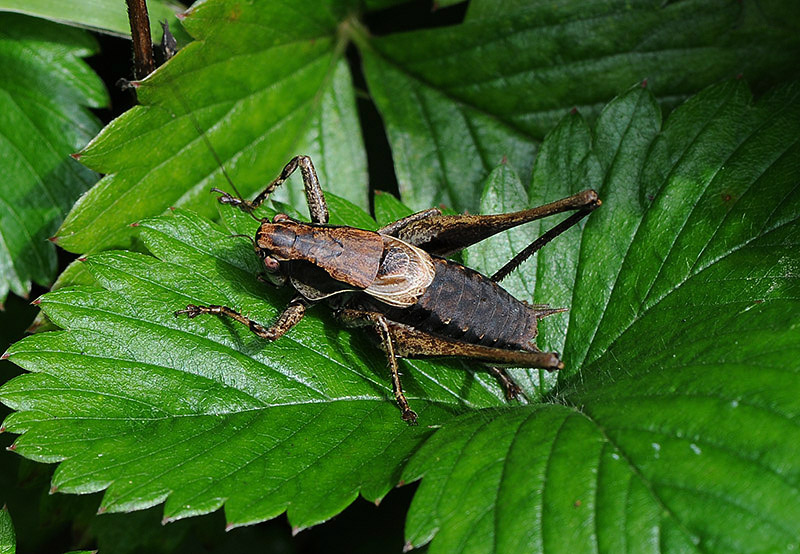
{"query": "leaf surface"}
(45, 90)
(100, 15)
(674, 427)
(196, 412)
(671, 429)
(257, 87)
(8, 543)
(493, 86)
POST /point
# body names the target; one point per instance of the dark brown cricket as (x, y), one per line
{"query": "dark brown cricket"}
(394, 281)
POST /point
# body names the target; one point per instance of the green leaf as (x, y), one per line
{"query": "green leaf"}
(106, 16)
(262, 84)
(671, 427)
(45, 92)
(152, 407)
(493, 86)
(674, 428)
(388, 208)
(506, 482)
(8, 544)
(74, 274)
(344, 212)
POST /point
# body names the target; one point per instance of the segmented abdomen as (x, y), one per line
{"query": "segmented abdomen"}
(463, 304)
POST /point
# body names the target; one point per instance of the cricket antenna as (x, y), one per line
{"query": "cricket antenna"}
(262, 253)
(248, 237)
(211, 149)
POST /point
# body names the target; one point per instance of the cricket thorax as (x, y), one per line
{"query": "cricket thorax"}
(348, 255)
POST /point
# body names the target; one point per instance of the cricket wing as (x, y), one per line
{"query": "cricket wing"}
(405, 273)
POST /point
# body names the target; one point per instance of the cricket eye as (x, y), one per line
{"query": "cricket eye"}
(271, 264)
(280, 217)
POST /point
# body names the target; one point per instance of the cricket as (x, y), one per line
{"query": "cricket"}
(397, 282)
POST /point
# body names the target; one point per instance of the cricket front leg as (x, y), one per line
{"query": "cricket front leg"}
(293, 313)
(314, 196)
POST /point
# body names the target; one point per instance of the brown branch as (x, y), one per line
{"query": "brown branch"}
(143, 64)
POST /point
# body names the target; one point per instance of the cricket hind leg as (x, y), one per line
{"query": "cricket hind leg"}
(317, 206)
(549, 235)
(392, 229)
(445, 234)
(413, 343)
(293, 313)
(405, 341)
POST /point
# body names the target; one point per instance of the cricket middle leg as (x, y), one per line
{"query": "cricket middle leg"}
(510, 387)
(380, 324)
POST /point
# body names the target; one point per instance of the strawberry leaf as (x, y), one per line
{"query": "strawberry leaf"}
(258, 86)
(156, 408)
(101, 15)
(493, 86)
(8, 543)
(673, 427)
(264, 83)
(46, 90)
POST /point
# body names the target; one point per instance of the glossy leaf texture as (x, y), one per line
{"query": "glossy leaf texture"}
(259, 85)
(493, 86)
(106, 16)
(675, 427)
(202, 413)
(45, 91)
(267, 82)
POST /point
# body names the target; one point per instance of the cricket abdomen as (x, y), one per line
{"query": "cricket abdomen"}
(463, 304)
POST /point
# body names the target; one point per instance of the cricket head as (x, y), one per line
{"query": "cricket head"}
(275, 244)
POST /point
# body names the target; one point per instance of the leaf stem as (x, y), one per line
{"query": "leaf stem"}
(142, 43)
(352, 29)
